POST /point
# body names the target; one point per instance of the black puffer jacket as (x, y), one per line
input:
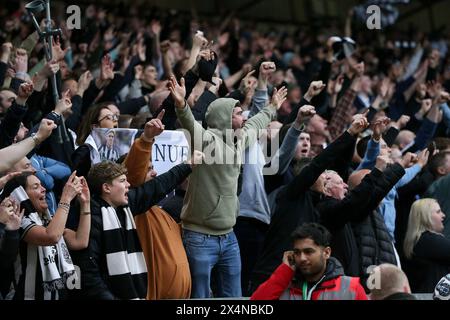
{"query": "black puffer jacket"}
(374, 243)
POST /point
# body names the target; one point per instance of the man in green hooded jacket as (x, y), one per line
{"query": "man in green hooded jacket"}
(211, 204)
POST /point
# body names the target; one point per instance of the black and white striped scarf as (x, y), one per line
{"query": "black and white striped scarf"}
(127, 270)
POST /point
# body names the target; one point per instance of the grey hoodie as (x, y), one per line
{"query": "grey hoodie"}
(253, 198)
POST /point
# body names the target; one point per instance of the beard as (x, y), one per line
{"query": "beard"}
(311, 272)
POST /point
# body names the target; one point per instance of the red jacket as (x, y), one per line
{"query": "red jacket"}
(333, 286)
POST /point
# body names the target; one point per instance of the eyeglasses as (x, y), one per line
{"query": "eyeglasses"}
(111, 117)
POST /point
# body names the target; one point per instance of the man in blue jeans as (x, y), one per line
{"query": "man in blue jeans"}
(211, 203)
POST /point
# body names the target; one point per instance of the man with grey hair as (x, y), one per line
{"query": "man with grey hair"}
(393, 284)
(405, 139)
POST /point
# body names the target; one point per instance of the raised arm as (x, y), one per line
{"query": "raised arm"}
(12, 154)
(150, 193)
(315, 88)
(337, 149)
(263, 118)
(199, 42)
(373, 147)
(74, 119)
(137, 160)
(287, 150)
(360, 201)
(14, 116)
(10, 222)
(190, 80)
(50, 235)
(412, 172)
(184, 113)
(4, 60)
(261, 98)
(343, 110)
(78, 240)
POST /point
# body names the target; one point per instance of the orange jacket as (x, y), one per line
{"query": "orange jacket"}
(169, 275)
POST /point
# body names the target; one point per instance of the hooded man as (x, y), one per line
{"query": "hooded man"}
(211, 203)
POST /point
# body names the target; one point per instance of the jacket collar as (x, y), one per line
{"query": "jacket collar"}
(99, 202)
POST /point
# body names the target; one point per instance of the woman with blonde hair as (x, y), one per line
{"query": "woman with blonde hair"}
(427, 250)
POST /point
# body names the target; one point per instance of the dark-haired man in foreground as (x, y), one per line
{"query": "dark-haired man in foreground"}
(309, 272)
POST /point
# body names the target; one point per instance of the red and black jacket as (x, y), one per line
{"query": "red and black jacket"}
(334, 285)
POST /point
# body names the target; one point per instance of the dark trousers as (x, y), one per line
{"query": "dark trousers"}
(250, 234)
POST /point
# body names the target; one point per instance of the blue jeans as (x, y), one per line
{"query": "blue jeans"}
(205, 252)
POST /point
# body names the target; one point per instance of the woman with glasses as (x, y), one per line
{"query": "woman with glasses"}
(99, 116)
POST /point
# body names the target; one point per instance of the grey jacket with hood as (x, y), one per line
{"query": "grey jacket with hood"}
(253, 199)
(211, 204)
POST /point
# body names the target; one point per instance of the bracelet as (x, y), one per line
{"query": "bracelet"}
(35, 139)
(87, 213)
(64, 205)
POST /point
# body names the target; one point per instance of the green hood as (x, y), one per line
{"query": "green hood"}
(220, 113)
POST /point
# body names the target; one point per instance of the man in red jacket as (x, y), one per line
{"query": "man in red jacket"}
(309, 273)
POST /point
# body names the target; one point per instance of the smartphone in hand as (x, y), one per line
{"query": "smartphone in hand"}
(291, 260)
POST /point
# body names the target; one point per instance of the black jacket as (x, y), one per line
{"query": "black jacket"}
(374, 243)
(60, 144)
(296, 205)
(9, 248)
(359, 203)
(173, 204)
(170, 117)
(92, 261)
(431, 262)
(81, 160)
(10, 125)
